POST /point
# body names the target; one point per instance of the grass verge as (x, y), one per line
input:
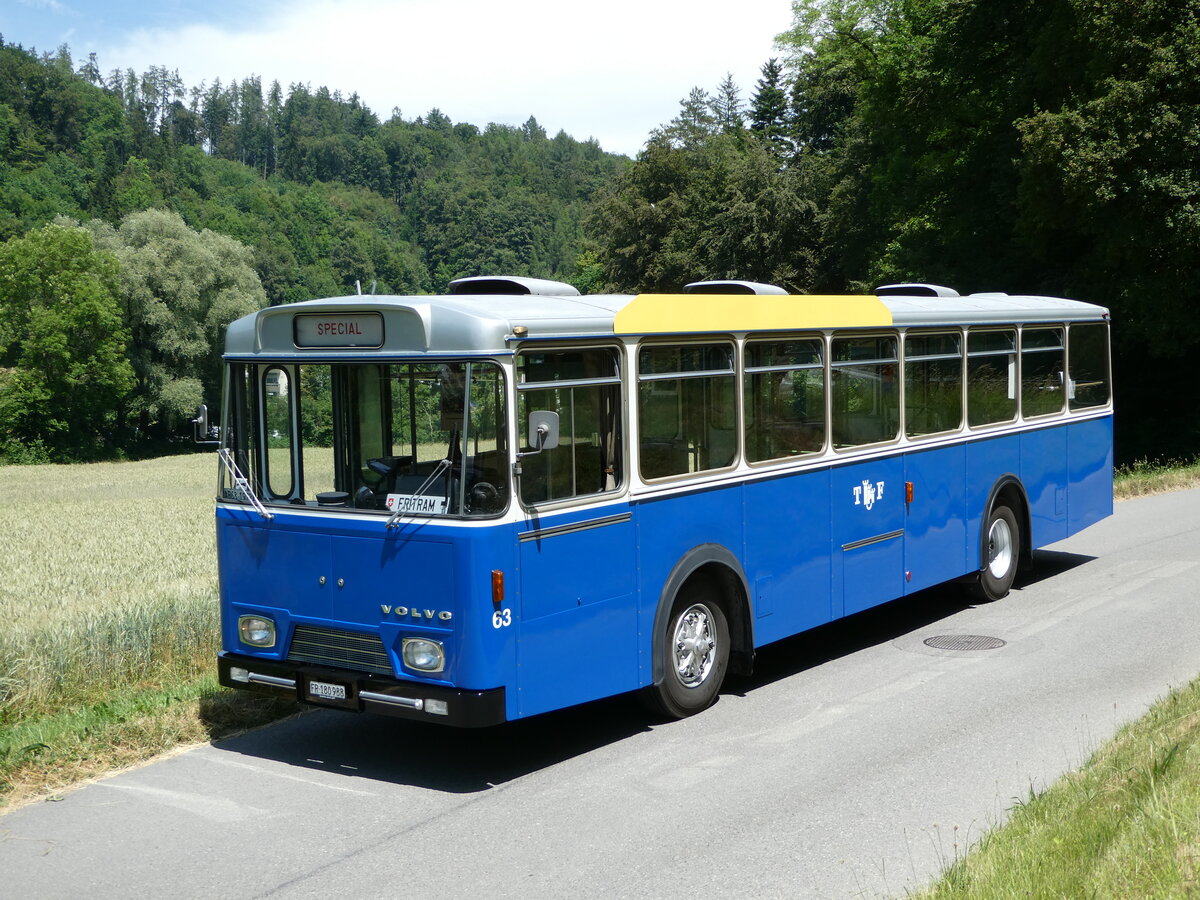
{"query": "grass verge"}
(1145, 477)
(42, 755)
(1127, 824)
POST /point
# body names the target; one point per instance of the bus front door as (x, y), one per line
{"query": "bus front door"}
(578, 628)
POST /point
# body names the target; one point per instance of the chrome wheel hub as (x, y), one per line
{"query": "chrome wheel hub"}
(1000, 548)
(694, 645)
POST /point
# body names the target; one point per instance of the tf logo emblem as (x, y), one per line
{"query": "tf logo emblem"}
(867, 493)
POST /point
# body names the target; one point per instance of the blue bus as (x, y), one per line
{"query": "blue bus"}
(483, 506)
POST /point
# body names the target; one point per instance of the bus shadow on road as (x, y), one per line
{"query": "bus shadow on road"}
(844, 637)
(1049, 564)
(437, 757)
(452, 760)
(883, 624)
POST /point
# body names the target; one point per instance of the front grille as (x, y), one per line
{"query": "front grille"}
(339, 649)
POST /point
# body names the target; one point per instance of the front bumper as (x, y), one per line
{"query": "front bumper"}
(363, 692)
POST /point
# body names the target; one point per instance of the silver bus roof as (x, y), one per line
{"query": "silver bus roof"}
(488, 323)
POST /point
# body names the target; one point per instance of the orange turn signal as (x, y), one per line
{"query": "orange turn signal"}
(497, 587)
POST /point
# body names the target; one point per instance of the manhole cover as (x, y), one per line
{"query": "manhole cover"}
(964, 642)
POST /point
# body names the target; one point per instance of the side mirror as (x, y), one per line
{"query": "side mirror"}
(543, 430)
(542, 435)
(202, 432)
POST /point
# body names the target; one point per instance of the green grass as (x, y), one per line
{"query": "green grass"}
(109, 604)
(1127, 824)
(1154, 477)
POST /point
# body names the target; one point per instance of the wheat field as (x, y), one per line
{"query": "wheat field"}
(108, 579)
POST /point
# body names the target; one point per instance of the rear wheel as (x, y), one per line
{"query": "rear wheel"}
(1002, 552)
(694, 648)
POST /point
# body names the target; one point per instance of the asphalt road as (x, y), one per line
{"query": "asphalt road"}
(856, 762)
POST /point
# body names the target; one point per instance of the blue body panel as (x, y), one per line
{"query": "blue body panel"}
(584, 586)
(1089, 473)
(395, 583)
(1044, 475)
(667, 528)
(578, 609)
(935, 524)
(786, 554)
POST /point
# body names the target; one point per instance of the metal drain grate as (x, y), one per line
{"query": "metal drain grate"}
(964, 642)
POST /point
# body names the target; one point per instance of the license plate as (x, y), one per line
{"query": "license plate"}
(323, 690)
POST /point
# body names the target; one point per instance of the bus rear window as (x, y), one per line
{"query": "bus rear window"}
(1087, 359)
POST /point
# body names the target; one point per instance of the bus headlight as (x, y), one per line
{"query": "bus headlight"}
(423, 654)
(256, 631)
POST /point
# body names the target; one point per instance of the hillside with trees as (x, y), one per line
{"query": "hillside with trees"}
(192, 205)
(1033, 146)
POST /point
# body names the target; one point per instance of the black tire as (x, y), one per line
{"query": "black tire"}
(1001, 554)
(694, 648)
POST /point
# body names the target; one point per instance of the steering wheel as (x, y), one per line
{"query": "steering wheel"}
(484, 497)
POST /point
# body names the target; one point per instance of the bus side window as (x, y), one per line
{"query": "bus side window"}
(864, 390)
(584, 387)
(932, 383)
(784, 398)
(687, 409)
(1043, 365)
(991, 376)
(277, 407)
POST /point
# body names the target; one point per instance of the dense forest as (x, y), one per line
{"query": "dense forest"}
(1032, 146)
(139, 216)
(1027, 146)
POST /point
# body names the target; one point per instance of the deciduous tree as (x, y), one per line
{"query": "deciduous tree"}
(179, 289)
(63, 370)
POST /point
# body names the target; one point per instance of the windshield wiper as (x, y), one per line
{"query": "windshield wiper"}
(437, 470)
(242, 483)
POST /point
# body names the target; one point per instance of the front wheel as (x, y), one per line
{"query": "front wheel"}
(1002, 553)
(694, 648)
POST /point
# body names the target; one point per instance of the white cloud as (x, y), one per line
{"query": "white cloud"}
(613, 72)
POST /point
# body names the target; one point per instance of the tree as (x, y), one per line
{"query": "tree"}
(1108, 200)
(768, 108)
(532, 131)
(723, 210)
(694, 123)
(179, 288)
(727, 105)
(62, 345)
(1046, 146)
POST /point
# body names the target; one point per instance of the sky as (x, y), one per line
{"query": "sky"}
(613, 70)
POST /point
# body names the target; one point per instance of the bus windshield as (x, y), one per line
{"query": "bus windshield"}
(423, 438)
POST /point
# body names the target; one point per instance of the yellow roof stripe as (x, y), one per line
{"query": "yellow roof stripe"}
(675, 313)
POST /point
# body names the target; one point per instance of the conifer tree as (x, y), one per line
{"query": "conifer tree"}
(768, 108)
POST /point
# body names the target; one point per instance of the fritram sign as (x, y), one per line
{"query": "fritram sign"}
(345, 330)
(416, 503)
